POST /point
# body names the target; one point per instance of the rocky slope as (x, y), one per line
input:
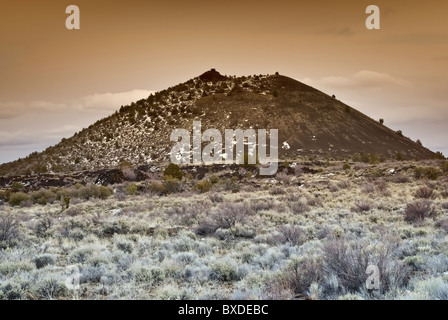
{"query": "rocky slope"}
(310, 124)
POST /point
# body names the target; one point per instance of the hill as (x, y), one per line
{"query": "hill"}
(310, 123)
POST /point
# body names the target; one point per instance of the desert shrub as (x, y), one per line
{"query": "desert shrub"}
(43, 225)
(50, 288)
(17, 198)
(131, 189)
(123, 261)
(344, 184)
(74, 211)
(185, 257)
(17, 186)
(8, 227)
(10, 290)
(173, 171)
(298, 207)
(348, 261)
(8, 267)
(203, 186)
(124, 245)
(115, 227)
(262, 205)
(229, 214)
(157, 188)
(313, 201)
(431, 289)
(243, 232)
(346, 166)
(444, 166)
(65, 202)
(231, 184)
(120, 195)
(224, 271)
(92, 191)
(283, 178)
(399, 178)
(206, 228)
(275, 191)
(350, 296)
(215, 179)
(291, 234)
(414, 262)
(368, 188)
(216, 198)
(77, 234)
(333, 187)
(418, 211)
(80, 255)
(443, 224)
(299, 274)
(104, 192)
(92, 274)
(382, 188)
(172, 292)
(44, 260)
(430, 173)
(223, 234)
(362, 205)
(151, 275)
(43, 196)
(172, 185)
(424, 193)
(444, 192)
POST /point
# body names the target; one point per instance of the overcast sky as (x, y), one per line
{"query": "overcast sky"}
(54, 81)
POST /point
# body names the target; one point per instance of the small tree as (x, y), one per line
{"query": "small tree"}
(173, 170)
(65, 203)
(131, 189)
(439, 155)
(204, 186)
(419, 142)
(275, 94)
(382, 121)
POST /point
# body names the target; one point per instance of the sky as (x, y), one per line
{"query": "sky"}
(55, 81)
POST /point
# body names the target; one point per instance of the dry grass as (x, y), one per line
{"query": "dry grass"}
(311, 241)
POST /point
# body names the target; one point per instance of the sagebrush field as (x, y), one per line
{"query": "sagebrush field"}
(302, 234)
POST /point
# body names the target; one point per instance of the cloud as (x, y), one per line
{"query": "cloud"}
(364, 79)
(90, 103)
(63, 131)
(22, 137)
(11, 109)
(29, 126)
(109, 101)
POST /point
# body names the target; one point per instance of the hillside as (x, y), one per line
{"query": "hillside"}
(310, 123)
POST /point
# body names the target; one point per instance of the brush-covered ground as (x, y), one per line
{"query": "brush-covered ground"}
(294, 236)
